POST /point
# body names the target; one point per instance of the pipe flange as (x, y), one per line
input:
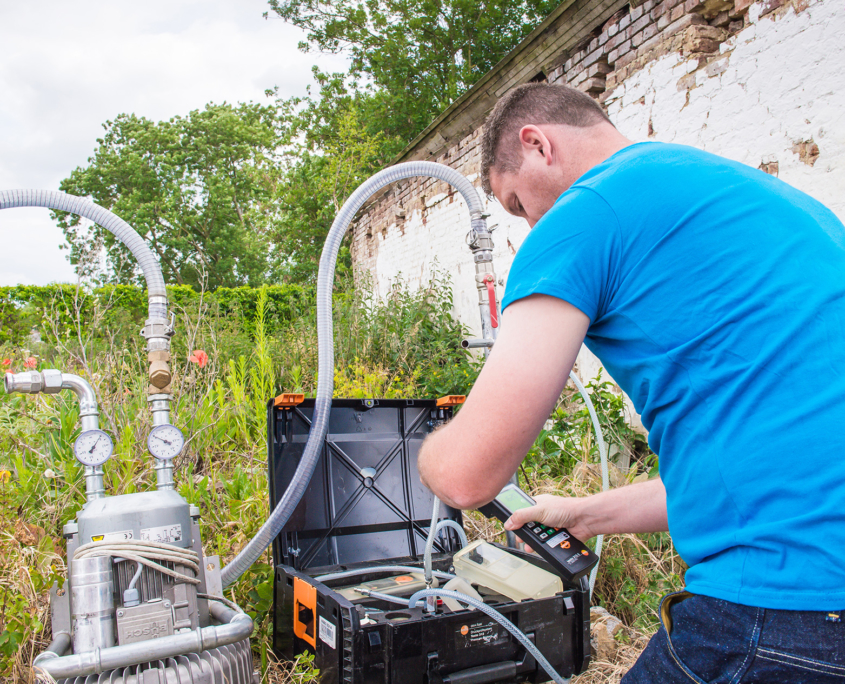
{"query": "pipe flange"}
(159, 397)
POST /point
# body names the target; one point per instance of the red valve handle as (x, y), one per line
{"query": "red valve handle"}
(491, 297)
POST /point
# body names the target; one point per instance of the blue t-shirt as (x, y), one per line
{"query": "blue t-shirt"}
(716, 298)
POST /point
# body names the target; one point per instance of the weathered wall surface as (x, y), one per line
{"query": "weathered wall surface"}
(762, 83)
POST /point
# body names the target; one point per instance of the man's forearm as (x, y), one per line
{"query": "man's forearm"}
(635, 508)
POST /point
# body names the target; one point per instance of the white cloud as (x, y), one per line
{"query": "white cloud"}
(67, 67)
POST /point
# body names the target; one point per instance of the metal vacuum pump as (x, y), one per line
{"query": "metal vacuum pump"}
(141, 603)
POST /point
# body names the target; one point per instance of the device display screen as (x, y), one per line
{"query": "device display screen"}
(513, 499)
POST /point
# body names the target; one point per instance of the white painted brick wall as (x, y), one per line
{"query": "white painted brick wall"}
(780, 81)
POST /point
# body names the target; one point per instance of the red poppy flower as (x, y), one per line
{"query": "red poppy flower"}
(7, 362)
(199, 357)
(31, 362)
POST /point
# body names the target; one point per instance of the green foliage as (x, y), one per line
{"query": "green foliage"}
(569, 437)
(417, 56)
(199, 189)
(334, 145)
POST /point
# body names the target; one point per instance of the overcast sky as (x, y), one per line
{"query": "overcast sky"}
(67, 67)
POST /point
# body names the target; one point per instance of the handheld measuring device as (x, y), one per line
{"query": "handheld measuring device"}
(568, 556)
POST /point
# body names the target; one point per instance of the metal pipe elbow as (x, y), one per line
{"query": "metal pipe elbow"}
(84, 393)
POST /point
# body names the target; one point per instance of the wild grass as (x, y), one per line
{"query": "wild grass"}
(407, 345)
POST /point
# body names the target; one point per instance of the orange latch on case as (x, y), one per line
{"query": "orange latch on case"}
(305, 610)
(451, 400)
(288, 400)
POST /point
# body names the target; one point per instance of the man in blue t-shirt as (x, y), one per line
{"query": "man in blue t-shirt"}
(714, 295)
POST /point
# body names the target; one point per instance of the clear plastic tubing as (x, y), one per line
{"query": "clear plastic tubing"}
(325, 342)
(605, 479)
(498, 617)
(462, 536)
(429, 542)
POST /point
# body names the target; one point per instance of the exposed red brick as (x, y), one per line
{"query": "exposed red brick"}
(722, 19)
(600, 68)
(807, 151)
(618, 39)
(614, 56)
(592, 85)
(770, 6)
(640, 24)
(661, 9)
(649, 32)
(593, 56)
(685, 21)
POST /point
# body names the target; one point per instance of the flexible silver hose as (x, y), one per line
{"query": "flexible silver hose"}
(59, 201)
(498, 617)
(462, 536)
(379, 568)
(325, 343)
(605, 478)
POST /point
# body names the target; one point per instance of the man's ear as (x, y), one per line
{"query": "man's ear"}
(534, 142)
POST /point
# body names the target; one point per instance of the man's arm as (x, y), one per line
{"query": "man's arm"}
(468, 461)
(636, 508)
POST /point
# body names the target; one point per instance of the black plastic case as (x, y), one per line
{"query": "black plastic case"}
(366, 506)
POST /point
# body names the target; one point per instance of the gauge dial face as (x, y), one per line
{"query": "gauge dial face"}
(93, 448)
(165, 442)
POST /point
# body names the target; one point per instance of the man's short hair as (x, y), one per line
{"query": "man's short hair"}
(531, 103)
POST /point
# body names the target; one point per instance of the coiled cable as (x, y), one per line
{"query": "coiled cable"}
(145, 553)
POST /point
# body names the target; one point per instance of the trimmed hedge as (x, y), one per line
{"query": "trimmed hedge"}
(24, 308)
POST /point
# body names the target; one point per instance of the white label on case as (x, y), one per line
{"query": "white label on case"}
(327, 632)
(166, 534)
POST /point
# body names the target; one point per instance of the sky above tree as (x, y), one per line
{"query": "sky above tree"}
(66, 68)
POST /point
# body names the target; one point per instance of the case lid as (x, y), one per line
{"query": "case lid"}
(365, 501)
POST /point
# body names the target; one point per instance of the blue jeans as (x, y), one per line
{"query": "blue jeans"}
(706, 640)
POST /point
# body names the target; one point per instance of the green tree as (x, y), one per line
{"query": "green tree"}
(417, 55)
(332, 151)
(200, 189)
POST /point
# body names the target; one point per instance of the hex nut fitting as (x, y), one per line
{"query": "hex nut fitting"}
(159, 374)
(28, 382)
(52, 381)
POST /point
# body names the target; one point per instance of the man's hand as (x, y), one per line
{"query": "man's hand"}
(554, 511)
(636, 508)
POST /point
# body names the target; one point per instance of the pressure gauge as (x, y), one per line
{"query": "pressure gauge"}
(93, 448)
(165, 442)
